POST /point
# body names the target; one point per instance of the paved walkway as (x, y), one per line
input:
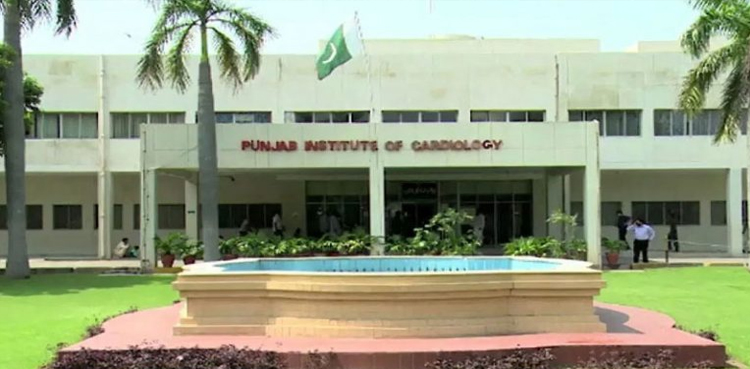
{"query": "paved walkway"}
(630, 331)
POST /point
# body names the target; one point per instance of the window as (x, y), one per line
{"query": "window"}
(66, 125)
(67, 217)
(507, 116)
(243, 117)
(34, 218)
(719, 212)
(136, 216)
(676, 123)
(659, 212)
(259, 216)
(437, 116)
(127, 125)
(608, 212)
(328, 117)
(172, 216)
(116, 217)
(611, 122)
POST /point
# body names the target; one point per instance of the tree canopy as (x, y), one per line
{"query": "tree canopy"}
(719, 18)
(32, 92)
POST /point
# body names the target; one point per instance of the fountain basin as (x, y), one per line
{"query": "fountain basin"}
(389, 297)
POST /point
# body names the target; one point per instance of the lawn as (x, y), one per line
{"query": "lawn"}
(697, 298)
(46, 310)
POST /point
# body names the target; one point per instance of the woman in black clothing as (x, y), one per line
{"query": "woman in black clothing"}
(672, 242)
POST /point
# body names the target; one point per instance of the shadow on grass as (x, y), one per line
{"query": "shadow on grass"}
(61, 284)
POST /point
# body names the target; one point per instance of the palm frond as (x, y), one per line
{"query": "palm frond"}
(252, 32)
(177, 71)
(708, 4)
(34, 11)
(174, 16)
(733, 102)
(698, 81)
(228, 58)
(66, 17)
(713, 22)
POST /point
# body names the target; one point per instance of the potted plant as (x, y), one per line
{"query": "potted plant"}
(229, 248)
(613, 248)
(169, 246)
(191, 251)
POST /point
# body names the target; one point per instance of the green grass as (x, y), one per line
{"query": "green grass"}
(39, 313)
(715, 298)
(45, 310)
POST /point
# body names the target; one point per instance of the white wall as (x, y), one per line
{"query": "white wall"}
(632, 186)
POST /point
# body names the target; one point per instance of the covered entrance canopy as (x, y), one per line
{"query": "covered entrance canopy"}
(513, 174)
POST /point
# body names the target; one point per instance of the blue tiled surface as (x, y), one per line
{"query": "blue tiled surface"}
(385, 265)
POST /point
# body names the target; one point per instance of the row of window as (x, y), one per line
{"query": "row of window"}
(171, 216)
(661, 212)
(611, 122)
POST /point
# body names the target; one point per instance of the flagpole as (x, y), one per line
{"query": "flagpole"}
(367, 64)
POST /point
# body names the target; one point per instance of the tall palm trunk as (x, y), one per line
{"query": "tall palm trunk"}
(207, 161)
(15, 148)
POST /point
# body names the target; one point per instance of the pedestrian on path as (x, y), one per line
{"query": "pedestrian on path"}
(642, 235)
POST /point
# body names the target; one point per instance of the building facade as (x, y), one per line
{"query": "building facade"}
(506, 128)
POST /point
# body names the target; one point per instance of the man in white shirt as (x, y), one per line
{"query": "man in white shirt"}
(479, 223)
(122, 248)
(642, 235)
(278, 227)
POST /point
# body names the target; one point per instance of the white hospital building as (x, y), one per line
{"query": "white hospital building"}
(503, 127)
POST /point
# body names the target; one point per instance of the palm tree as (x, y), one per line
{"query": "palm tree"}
(731, 19)
(21, 15)
(179, 22)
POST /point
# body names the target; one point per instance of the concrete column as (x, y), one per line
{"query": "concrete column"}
(104, 176)
(592, 197)
(539, 210)
(555, 201)
(104, 214)
(149, 216)
(191, 209)
(377, 203)
(734, 211)
(592, 214)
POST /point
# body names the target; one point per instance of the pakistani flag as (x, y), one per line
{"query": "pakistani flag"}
(343, 45)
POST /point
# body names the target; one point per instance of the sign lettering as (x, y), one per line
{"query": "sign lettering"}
(369, 145)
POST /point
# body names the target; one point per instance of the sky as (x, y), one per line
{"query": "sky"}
(122, 26)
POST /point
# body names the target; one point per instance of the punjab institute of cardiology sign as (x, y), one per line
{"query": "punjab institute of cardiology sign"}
(357, 145)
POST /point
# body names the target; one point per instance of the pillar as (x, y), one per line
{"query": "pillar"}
(377, 204)
(555, 202)
(539, 210)
(149, 216)
(191, 208)
(592, 213)
(734, 211)
(104, 214)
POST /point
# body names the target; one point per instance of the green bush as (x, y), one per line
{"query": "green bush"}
(173, 244)
(441, 236)
(542, 247)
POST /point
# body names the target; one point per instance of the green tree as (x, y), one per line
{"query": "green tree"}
(165, 58)
(18, 16)
(730, 19)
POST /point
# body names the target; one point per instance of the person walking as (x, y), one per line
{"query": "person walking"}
(642, 235)
(672, 243)
(622, 225)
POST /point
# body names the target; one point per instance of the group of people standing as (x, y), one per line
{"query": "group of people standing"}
(643, 234)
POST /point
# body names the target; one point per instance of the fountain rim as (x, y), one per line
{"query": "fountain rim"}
(565, 266)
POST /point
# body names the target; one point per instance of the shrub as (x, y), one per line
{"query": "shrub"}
(172, 244)
(153, 358)
(614, 245)
(539, 359)
(542, 247)
(441, 236)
